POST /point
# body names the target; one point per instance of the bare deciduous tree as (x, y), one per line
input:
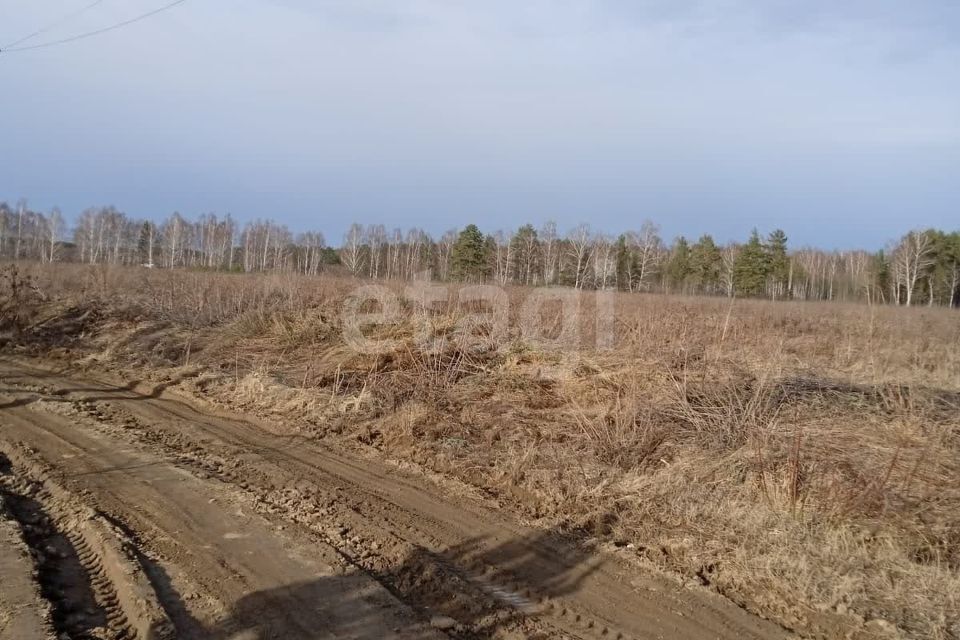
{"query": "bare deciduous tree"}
(352, 252)
(579, 239)
(55, 229)
(604, 267)
(911, 258)
(646, 248)
(502, 257)
(550, 243)
(729, 258)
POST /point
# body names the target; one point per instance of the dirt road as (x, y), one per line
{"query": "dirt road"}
(23, 614)
(241, 529)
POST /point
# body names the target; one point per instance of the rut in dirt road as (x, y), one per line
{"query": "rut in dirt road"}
(263, 614)
(93, 583)
(292, 523)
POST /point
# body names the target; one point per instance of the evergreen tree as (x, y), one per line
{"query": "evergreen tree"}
(879, 277)
(678, 266)
(943, 276)
(489, 254)
(329, 256)
(145, 243)
(705, 264)
(954, 252)
(778, 263)
(525, 252)
(468, 258)
(624, 260)
(751, 268)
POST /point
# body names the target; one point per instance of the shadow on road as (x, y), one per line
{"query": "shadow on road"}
(18, 402)
(483, 587)
(126, 391)
(122, 394)
(60, 574)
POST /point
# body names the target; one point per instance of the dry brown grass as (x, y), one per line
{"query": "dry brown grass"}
(800, 458)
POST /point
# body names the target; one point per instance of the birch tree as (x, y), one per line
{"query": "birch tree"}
(579, 240)
(352, 252)
(912, 257)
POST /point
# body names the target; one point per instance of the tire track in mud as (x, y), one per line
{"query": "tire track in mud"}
(236, 573)
(426, 580)
(488, 597)
(430, 583)
(486, 579)
(86, 569)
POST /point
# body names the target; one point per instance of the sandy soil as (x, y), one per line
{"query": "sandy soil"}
(225, 527)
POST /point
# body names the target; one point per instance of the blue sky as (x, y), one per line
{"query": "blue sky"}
(838, 121)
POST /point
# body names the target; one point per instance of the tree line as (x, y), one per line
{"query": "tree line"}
(922, 267)
(105, 235)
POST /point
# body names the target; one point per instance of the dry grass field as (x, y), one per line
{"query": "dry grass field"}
(801, 459)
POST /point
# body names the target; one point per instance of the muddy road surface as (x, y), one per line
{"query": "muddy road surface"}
(149, 514)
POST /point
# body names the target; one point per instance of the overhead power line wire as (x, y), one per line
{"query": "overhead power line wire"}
(53, 25)
(97, 32)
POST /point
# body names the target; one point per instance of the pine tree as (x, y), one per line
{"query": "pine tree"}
(489, 255)
(778, 263)
(145, 243)
(880, 277)
(623, 259)
(468, 258)
(329, 256)
(525, 252)
(751, 268)
(943, 276)
(954, 287)
(705, 265)
(678, 266)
